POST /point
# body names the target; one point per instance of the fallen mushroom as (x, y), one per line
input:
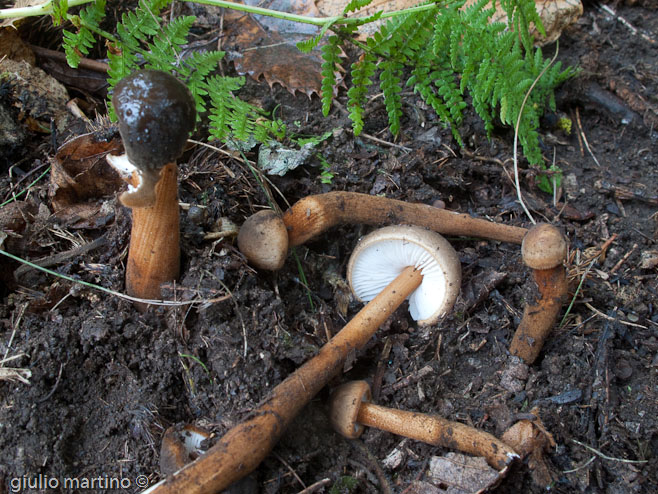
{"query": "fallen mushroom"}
(380, 257)
(156, 113)
(350, 410)
(264, 244)
(243, 447)
(544, 250)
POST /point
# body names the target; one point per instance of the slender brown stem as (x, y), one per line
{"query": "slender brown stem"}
(243, 448)
(315, 214)
(154, 254)
(438, 432)
(540, 315)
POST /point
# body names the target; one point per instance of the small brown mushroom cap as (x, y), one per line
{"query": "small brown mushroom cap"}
(344, 407)
(263, 239)
(381, 255)
(544, 247)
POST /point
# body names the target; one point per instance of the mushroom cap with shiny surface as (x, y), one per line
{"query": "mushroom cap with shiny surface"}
(156, 114)
(383, 254)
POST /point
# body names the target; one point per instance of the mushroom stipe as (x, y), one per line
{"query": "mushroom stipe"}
(243, 447)
(264, 238)
(350, 409)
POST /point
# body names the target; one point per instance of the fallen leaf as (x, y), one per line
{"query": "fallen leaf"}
(530, 439)
(265, 46)
(80, 176)
(455, 473)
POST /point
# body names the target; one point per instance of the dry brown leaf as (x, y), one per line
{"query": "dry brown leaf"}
(80, 176)
(455, 473)
(12, 46)
(264, 46)
(530, 439)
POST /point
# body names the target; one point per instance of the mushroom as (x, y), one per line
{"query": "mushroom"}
(544, 250)
(313, 215)
(156, 113)
(243, 447)
(350, 409)
(382, 255)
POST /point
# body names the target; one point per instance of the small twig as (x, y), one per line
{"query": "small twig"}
(384, 486)
(606, 457)
(85, 63)
(313, 487)
(52, 391)
(60, 257)
(584, 137)
(623, 259)
(384, 143)
(290, 469)
(609, 318)
(630, 27)
(581, 466)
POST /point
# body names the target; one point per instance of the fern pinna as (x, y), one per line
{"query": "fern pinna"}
(143, 39)
(447, 53)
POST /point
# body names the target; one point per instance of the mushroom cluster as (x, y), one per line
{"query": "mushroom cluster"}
(243, 447)
(156, 113)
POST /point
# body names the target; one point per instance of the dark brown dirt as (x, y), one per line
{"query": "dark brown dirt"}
(107, 380)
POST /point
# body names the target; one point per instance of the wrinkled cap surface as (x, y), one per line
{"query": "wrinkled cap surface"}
(383, 254)
(156, 114)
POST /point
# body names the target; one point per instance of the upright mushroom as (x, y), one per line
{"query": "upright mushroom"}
(350, 409)
(243, 447)
(156, 114)
(544, 250)
(265, 237)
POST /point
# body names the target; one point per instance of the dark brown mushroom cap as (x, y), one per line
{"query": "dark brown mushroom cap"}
(544, 247)
(156, 114)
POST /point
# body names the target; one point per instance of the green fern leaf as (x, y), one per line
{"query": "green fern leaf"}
(362, 71)
(77, 45)
(330, 55)
(390, 86)
(355, 5)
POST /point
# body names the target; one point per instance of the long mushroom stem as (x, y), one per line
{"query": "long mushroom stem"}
(264, 238)
(154, 255)
(314, 214)
(438, 431)
(242, 448)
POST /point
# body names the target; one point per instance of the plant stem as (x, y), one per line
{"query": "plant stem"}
(46, 8)
(34, 10)
(316, 21)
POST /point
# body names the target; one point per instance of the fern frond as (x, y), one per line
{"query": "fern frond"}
(331, 56)
(390, 86)
(354, 5)
(362, 71)
(76, 45)
(194, 71)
